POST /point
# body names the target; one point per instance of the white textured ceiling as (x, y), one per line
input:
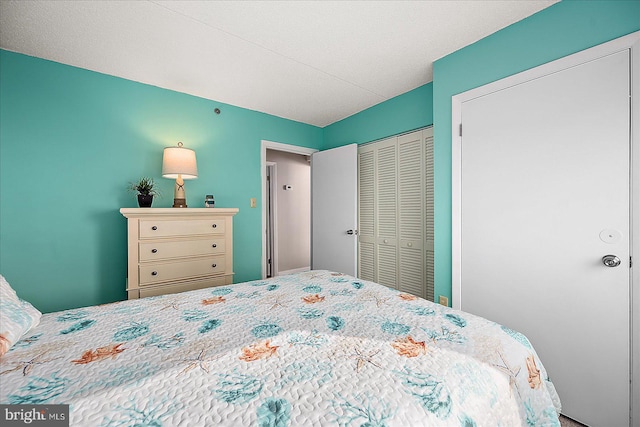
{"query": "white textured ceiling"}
(311, 61)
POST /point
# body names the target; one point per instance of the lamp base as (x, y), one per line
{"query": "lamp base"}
(179, 203)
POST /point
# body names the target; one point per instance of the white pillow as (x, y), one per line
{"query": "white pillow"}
(17, 317)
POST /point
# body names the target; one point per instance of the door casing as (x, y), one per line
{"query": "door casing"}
(271, 207)
(632, 42)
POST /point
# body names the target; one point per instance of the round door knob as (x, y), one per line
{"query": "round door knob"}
(214, 265)
(611, 260)
(385, 241)
(409, 244)
(154, 228)
(214, 246)
(154, 273)
(153, 251)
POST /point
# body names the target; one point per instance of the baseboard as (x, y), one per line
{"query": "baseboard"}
(295, 270)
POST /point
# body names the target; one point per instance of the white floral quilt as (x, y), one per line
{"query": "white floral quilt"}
(312, 349)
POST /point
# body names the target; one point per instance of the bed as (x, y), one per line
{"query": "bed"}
(311, 349)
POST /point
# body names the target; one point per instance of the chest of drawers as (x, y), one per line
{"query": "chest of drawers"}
(176, 250)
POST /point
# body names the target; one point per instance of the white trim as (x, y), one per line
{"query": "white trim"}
(278, 146)
(635, 231)
(274, 219)
(631, 42)
(293, 271)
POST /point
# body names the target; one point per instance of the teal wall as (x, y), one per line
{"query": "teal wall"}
(70, 142)
(562, 29)
(409, 111)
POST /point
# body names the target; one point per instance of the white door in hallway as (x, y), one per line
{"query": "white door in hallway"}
(545, 190)
(334, 209)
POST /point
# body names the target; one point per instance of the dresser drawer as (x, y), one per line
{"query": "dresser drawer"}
(159, 228)
(149, 251)
(162, 272)
(151, 291)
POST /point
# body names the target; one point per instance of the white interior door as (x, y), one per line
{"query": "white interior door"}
(544, 196)
(334, 209)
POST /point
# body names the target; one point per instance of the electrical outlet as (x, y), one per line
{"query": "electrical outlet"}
(444, 300)
(252, 202)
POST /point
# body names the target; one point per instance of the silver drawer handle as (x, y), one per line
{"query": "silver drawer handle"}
(154, 273)
(214, 265)
(214, 225)
(154, 228)
(153, 251)
(214, 246)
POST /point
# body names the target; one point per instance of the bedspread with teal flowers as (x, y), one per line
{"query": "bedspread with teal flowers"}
(311, 349)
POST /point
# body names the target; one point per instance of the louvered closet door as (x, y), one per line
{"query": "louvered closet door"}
(377, 186)
(387, 212)
(366, 214)
(396, 212)
(411, 201)
(427, 135)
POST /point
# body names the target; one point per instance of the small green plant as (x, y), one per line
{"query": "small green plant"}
(145, 186)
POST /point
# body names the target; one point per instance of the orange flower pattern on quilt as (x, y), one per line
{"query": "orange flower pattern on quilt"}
(534, 373)
(4, 343)
(213, 300)
(408, 347)
(407, 297)
(312, 299)
(101, 353)
(262, 350)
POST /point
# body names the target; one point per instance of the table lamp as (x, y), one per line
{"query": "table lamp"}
(179, 163)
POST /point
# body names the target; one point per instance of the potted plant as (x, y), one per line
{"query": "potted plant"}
(145, 189)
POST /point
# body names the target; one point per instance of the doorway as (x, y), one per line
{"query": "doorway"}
(282, 189)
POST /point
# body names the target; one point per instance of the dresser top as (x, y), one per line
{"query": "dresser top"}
(173, 212)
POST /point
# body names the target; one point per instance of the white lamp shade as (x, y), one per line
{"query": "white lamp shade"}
(179, 161)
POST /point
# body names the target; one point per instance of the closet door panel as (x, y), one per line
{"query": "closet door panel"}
(366, 214)
(386, 173)
(412, 271)
(366, 193)
(427, 135)
(387, 212)
(388, 265)
(411, 213)
(411, 187)
(366, 262)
